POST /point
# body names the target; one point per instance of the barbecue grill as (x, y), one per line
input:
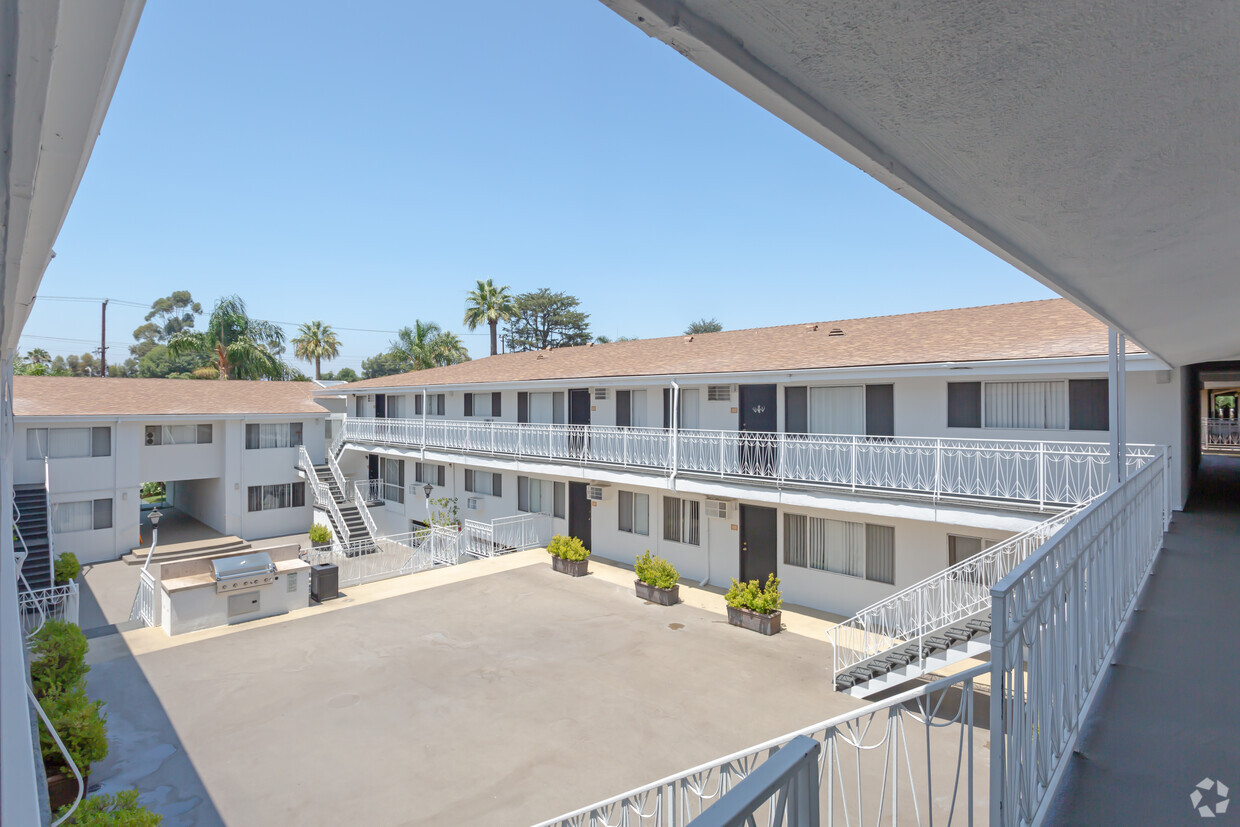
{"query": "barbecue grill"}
(243, 572)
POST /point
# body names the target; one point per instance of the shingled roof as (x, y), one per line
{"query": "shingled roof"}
(95, 396)
(1053, 328)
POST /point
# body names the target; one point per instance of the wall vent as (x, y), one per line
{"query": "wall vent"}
(719, 393)
(600, 393)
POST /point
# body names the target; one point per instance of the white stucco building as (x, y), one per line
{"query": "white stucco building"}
(227, 451)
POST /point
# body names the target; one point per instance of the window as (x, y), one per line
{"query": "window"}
(1033, 405)
(1089, 405)
(424, 472)
(682, 520)
(560, 497)
(960, 548)
(392, 472)
(631, 409)
(436, 404)
(964, 404)
(68, 443)
(483, 482)
(689, 409)
(273, 435)
(635, 512)
(532, 495)
(177, 434)
(280, 495)
(84, 515)
(718, 393)
(840, 547)
(837, 410)
(395, 407)
(482, 404)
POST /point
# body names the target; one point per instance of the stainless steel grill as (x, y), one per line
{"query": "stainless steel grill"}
(243, 572)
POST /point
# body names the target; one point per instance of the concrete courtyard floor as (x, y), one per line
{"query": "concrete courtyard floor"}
(493, 693)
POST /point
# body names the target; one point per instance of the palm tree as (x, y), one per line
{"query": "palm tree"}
(415, 346)
(490, 304)
(316, 341)
(449, 350)
(38, 356)
(239, 347)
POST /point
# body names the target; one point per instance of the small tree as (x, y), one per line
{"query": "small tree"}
(442, 511)
(704, 325)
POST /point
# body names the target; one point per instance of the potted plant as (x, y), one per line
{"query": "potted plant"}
(657, 580)
(66, 567)
(320, 536)
(111, 811)
(568, 555)
(755, 607)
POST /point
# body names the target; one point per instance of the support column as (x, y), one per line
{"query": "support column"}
(1117, 393)
(675, 418)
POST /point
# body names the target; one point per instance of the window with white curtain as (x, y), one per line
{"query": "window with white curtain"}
(682, 520)
(392, 472)
(280, 495)
(634, 513)
(690, 409)
(68, 443)
(424, 472)
(840, 547)
(637, 409)
(483, 482)
(1030, 405)
(273, 435)
(541, 407)
(83, 515)
(178, 434)
(533, 496)
(837, 410)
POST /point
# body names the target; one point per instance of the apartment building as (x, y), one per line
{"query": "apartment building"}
(226, 451)
(851, 458)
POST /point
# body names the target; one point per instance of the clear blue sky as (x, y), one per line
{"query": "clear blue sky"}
(365, 166)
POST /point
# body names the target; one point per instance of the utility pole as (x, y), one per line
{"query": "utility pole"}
(103, 342)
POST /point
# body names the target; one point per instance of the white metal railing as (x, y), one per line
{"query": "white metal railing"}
(41, 605)
(505, 534)
(321, 492)
(1050, 474)
(887, 762)
(144, 601)
(1220, 434)
(360, 493)
(47, 506)
(1056, 620)
(337, 474)
(337, 440)
(393, 556)
(946, 597)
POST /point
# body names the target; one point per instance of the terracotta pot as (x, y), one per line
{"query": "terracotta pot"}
(573, 568)
(760, 623)
(663, 597)
(62, 789)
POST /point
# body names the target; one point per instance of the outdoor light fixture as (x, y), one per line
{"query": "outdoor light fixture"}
(154, 517)
(428, 488)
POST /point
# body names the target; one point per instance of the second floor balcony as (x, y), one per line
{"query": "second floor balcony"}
(1001, 472)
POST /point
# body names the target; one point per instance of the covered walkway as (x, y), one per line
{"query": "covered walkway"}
(1168, 716)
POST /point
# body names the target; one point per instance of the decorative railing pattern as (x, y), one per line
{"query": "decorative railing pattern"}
(361, 492)
(946, 597)
(55, 603)
(1050, 474)
(888, 762)
(1056, 620)
(1220, 434)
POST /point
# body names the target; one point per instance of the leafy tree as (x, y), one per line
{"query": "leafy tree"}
(169, 316)
(347, 375)
(159, 363)
(704, 325)
(547, 319)
(449, 349)
(491, 304)
(38, 356)
(316, 341)
(383, 364)
(426, 345)
(239, 346)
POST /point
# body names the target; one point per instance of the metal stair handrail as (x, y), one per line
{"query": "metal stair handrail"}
(321, 492)
(337, 474)
(936, 602)
(359, 502)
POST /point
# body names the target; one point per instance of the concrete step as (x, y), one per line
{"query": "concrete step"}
(184, 551)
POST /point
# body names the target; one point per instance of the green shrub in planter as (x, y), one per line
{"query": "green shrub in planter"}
(80, 725)
(67, 567)
(761, 599)
(656, 571)
(567, 548)
(320, 534)
(120, 810)
(57, 657)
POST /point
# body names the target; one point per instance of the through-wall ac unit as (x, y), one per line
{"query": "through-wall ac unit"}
(718, 393)
(473, 503)
(718, 508)
(594, 492)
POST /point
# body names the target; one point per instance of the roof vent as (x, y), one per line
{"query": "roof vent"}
(811, 327)
(539, 356)
(835, 331)
(688, 338)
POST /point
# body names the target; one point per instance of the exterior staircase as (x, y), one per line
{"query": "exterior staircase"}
(30, 504)
(360, 541)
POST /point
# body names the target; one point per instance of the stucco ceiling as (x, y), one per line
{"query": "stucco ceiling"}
(1092, 145)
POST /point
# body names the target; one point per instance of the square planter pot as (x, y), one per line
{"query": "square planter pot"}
(760, 623)
(62, 789)
(573, 568)
(663, 597)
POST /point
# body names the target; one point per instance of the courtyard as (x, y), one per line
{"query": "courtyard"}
(496, 692)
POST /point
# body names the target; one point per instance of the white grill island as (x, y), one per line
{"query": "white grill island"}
(203, 592)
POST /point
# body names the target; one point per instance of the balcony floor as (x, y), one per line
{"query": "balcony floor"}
(1168, 715)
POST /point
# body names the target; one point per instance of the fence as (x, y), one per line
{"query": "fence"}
(1056, 619)
(1047, 473)
(365, 561)
(909, 759)
(505, 534)
(1220, 434)
(143, 608)
(55, 603)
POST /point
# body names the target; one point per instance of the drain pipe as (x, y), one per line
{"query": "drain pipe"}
(706, 579)
(675, 418)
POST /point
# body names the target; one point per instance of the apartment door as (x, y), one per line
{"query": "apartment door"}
(373, 470)
(758, 542)
(579, 416)
(758, 424)
(380, 406)
(579, 512)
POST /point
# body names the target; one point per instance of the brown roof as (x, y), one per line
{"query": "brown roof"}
(1053, 328)
(91, 396)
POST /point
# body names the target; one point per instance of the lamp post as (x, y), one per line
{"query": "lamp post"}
(428, 488)
(154, 518)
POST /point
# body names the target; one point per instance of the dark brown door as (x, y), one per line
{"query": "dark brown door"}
(380, 406)
(579, 418)
(758, 425)
(373, 469)
(758, 552)
(579, 508)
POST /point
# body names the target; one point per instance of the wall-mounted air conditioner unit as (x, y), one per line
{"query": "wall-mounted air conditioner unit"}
(473, 503)
(718, 508)
(594, 492)
(718, 393)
